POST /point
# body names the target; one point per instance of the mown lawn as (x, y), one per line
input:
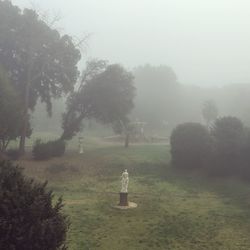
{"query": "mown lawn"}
(175, 210)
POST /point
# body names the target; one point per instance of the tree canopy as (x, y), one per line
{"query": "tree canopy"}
(209, 112)
(10, 112)
(106, 93)
(40, 62)
(157, 97)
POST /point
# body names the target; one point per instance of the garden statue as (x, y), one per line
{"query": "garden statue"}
(80, 145)
(124, 203)
(125, 181)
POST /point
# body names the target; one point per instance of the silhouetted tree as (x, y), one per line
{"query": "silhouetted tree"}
(157, 97)
(125, 127)
(10, 113)
(106, 93)
(209, 112)
(40, 62)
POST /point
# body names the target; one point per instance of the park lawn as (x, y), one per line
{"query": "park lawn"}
(175, 210)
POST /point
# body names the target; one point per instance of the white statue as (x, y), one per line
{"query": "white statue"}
(81, 145)
(124, 181)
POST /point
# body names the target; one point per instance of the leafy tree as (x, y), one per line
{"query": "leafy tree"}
(106, 93)
(190, 146)
(10, 113)
(209, 112)
(158, 95)
(28, 219)
(41, 63)
(125, 127)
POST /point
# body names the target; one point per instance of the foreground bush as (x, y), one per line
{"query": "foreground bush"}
(47, 150)
(28, 220)
(190, 145)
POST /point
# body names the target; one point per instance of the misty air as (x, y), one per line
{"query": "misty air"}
(124, 125)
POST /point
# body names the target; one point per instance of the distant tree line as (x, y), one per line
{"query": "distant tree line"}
(221, 150)
(162, 102)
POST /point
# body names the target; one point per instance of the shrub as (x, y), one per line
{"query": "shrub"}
(190, 146)
(47, 150)
(244, 168)
(13, 154)
(229, 136)
(28, 220)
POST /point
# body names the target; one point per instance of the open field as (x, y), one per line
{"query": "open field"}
(175, 211)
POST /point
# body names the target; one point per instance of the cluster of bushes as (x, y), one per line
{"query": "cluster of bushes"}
(47, 150)
(30, 218)
(224, 149)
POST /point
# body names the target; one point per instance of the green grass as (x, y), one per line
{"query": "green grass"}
(175, 210)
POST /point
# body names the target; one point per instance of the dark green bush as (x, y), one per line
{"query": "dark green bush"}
(28, 219)
(47, 150)
(13, 154)
(190, 146)
(229, 145)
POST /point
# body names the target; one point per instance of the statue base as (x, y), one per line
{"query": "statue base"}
(123, 199)
(124, 203)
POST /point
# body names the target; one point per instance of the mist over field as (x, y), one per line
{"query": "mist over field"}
(124, 124)
(204, 43)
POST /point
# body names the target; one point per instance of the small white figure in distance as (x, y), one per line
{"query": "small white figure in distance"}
(124, 181)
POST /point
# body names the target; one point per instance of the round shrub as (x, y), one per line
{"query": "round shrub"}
(229, 133)
(47, 150)
(190, 146)
(229, 137)
(28, 219)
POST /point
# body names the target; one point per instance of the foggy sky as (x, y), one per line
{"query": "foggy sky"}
(206, 42)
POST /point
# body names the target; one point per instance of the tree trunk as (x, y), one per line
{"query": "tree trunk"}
(25, 119)
(23, 136)
(127, 140)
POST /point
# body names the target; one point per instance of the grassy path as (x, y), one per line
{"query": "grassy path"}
(175, 211)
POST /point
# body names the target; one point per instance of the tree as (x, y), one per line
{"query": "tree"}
(41, 63)
(125, 127)
(28, 219)
(190, 146)
(106, 93)
(158, 95)
(10, 113)
(209, 112)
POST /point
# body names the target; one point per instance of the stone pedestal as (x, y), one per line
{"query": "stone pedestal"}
(123, 199)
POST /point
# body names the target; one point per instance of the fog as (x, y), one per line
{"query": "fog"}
(205, 42)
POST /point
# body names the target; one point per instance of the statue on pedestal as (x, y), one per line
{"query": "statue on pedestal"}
(124, 203)
(124, 191)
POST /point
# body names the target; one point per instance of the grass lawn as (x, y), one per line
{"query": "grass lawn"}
(175, 211)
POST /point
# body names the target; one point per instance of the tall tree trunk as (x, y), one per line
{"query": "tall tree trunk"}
(26, 101)
(127, 140)
(25, 114)
(23, 134)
